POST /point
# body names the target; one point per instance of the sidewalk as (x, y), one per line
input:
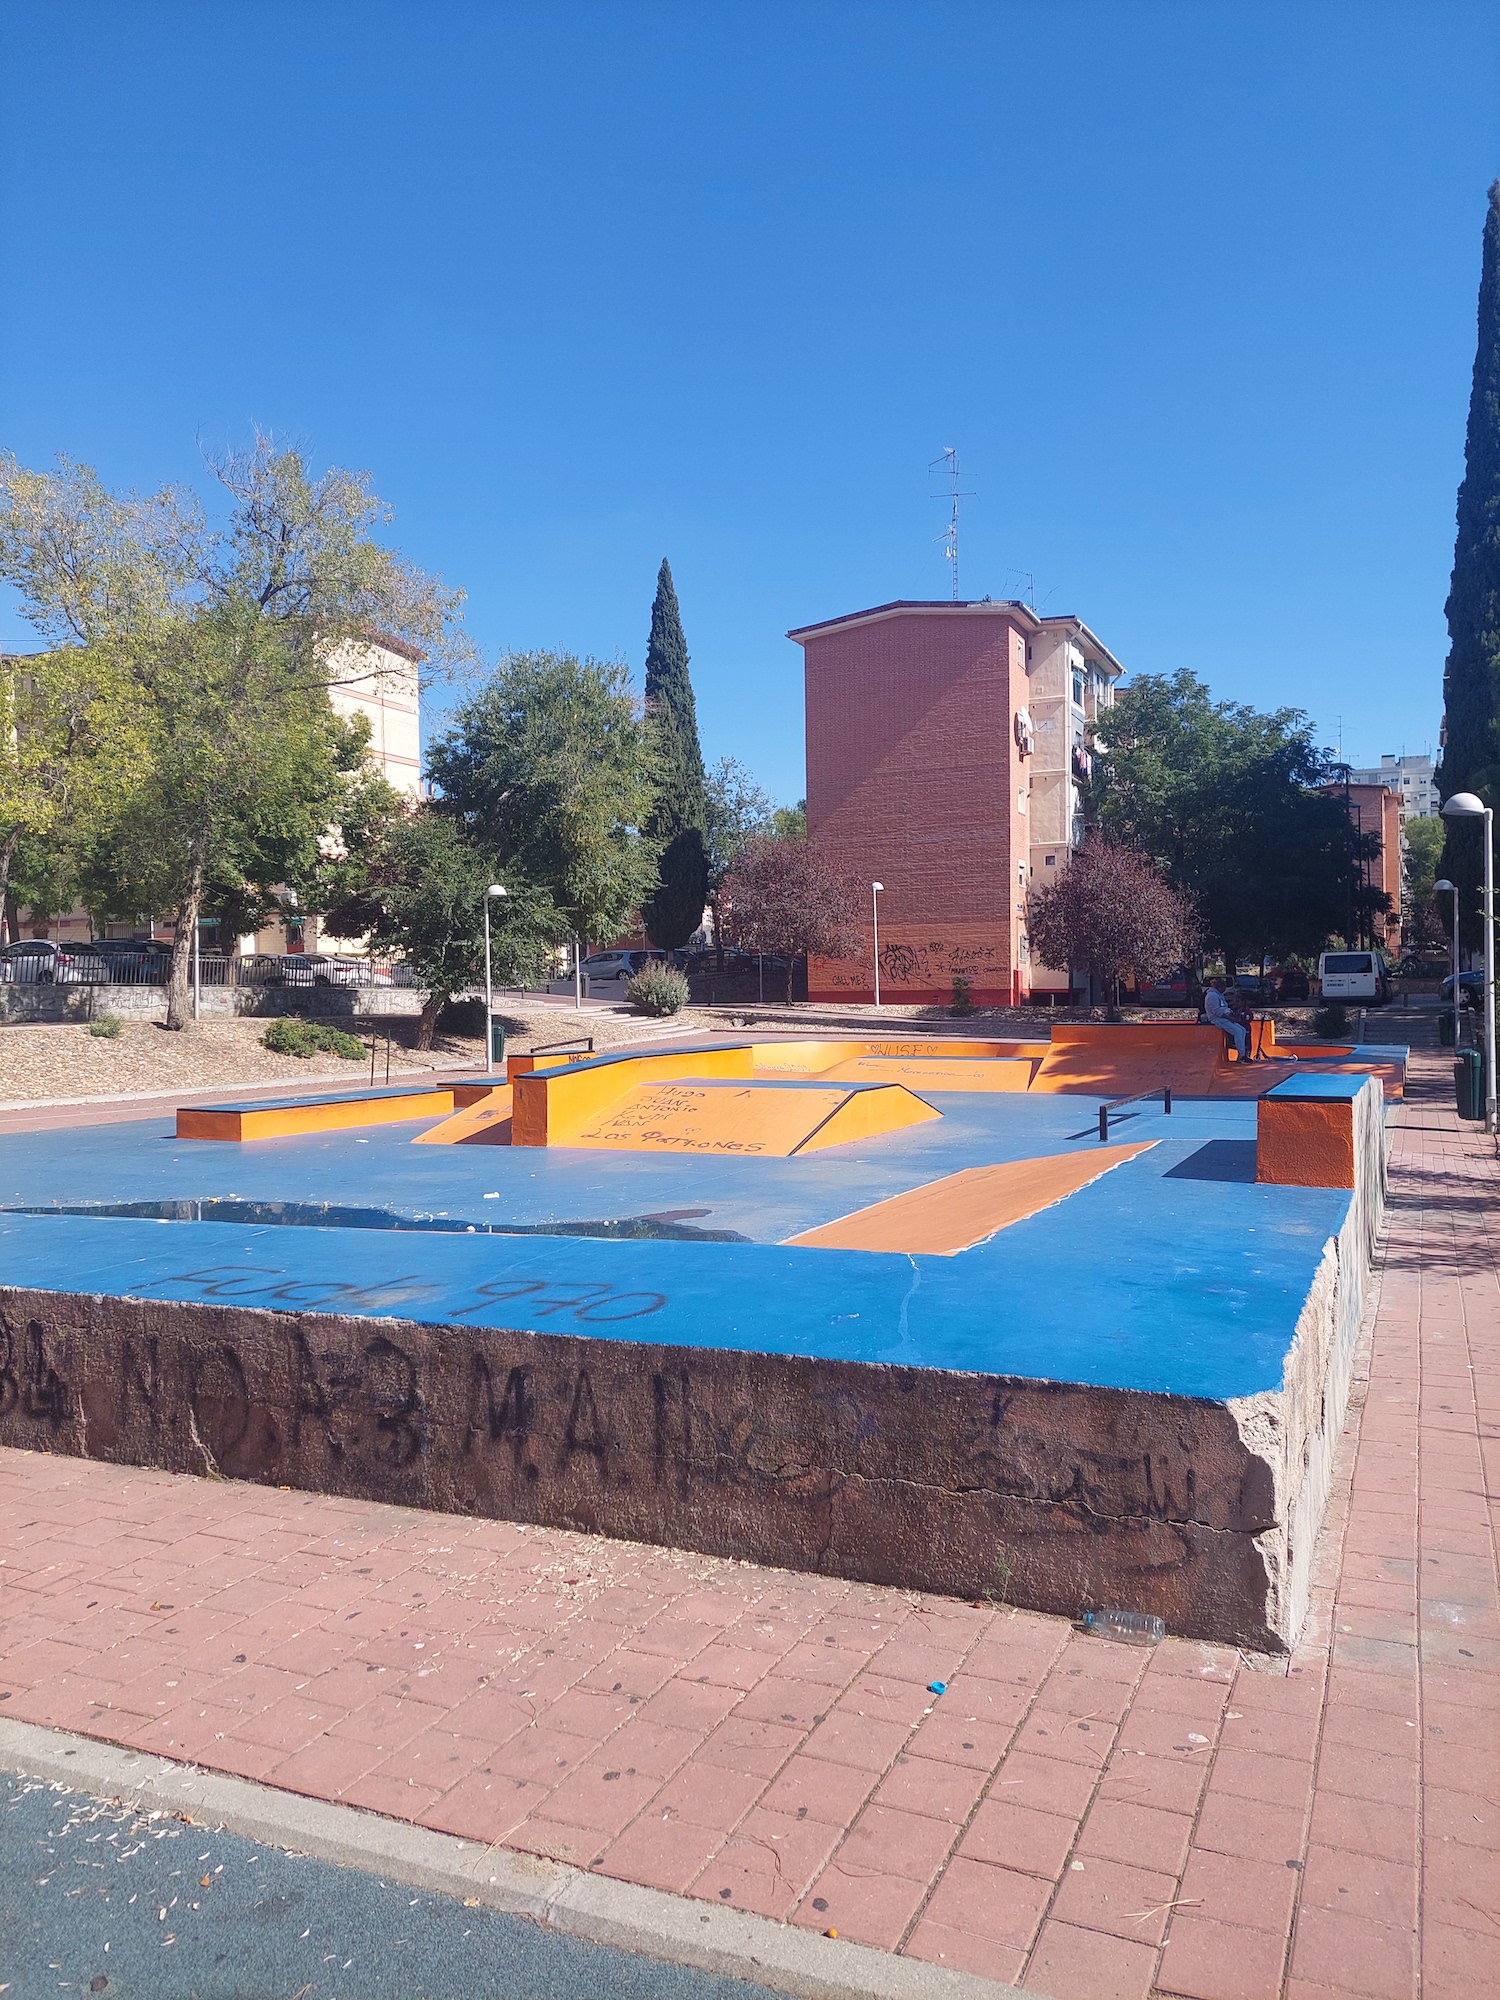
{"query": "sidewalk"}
(1091, 1821)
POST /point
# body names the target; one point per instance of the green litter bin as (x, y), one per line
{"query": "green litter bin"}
(497, 1044)
(1468, 1085)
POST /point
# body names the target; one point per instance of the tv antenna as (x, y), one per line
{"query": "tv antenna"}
(948, 466)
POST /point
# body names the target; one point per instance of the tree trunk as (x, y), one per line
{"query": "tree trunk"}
(185, 929)
(791, 971)
(432, 1006)
(7, 855)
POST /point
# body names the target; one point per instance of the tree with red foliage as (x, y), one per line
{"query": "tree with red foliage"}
(1112, 911)
(783, 896)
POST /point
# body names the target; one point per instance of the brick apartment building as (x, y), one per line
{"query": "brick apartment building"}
(945, 745)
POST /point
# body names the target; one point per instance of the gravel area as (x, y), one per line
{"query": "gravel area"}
(41, 1062)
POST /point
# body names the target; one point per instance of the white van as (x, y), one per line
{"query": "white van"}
(1352, 975)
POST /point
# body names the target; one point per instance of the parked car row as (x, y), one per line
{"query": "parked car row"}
(147, 962)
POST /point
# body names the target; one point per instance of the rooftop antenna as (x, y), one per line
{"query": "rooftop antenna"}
(948, 466)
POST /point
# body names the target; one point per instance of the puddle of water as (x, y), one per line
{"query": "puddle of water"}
(672, 1226)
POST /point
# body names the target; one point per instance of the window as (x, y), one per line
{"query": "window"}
(1078, 690)
(1050, 862)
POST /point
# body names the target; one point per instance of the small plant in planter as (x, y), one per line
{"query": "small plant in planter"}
(106, 1027)
(658, 989)
(963, 1002)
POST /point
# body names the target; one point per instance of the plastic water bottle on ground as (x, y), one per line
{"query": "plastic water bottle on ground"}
(1135, 1628)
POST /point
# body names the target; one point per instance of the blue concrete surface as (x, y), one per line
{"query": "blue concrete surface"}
(1151, 1278)
(1303, 1089)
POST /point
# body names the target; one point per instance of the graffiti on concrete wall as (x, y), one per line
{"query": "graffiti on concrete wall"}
(895, 1475)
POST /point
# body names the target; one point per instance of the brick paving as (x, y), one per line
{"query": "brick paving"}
(1099, 1822)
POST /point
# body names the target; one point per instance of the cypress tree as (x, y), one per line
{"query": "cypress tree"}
(679, 817)
(1471, 680)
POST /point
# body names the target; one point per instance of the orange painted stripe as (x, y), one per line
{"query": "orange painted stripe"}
(961, 1210)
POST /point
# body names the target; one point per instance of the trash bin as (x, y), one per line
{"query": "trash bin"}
(1468, 1084)
(1445, 1029)
(497, 1044)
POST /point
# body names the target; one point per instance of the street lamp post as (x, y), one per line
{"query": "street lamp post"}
(1451, 889)
(489, 989)
(1465, 805)
(875, 889)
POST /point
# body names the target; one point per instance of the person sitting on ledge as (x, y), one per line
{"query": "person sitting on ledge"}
(1218, 1013)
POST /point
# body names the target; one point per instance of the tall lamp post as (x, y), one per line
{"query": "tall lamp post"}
(1451, 889)
(1465, 805)
(489, 989)
(875, 889)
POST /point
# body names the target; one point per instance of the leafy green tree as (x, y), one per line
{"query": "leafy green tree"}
(678, 821)
(50, 760)
(421, 899)
(1422, 921)
(546, 768)
(1471, 680)
(1237, 808)
(737, 808)
(215, 645)
(790, 822)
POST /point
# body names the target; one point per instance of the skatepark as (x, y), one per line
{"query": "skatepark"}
(904, 1311)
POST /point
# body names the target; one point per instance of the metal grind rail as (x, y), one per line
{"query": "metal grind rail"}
(1163, 1091)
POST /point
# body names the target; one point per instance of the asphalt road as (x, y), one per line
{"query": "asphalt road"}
(102, 1899)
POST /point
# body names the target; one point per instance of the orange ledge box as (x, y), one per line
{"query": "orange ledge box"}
(285, 1117)
(1305, 1132)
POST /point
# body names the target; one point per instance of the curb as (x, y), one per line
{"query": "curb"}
(710, 1939)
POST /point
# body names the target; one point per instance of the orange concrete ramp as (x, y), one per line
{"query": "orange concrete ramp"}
(817, 1056)
(747, 1121)
(961, 1210)
(483, 1122)
(936, 1072)
(551, 1105)
(1109, 1061)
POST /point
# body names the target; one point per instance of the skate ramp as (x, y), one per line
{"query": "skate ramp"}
(746, 1120)
(484, 1121)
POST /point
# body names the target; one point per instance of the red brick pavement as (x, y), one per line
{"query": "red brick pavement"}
(1100, 1822)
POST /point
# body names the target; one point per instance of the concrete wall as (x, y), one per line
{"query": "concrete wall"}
(220, 1003)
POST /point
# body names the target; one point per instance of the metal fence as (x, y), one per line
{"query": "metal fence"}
(78, 965)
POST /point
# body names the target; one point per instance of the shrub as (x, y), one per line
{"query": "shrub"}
(658, 989)
(1331, 1022)
(106, 1027)
(289, 1037)
(962, 999)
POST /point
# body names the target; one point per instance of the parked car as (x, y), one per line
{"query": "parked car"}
(1470, 988)
(312, 968)
(44, 962)
(1289, 983)
(618, 968)
(1352, 975)
(134, 961)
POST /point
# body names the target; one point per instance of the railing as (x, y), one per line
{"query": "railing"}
(314, 969)
(1164, 1091)
(78, 966)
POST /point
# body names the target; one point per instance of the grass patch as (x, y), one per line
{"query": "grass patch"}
(106, 1027)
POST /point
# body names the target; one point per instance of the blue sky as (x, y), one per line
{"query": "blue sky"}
(1190, 287)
